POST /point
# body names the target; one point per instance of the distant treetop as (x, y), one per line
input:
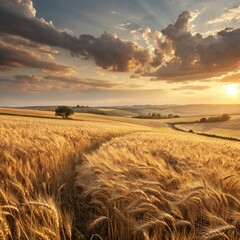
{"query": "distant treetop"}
(63, 111)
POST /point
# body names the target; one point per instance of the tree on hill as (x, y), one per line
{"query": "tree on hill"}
(203, 120)
(154, 115)
(63, 111)
(225, 117)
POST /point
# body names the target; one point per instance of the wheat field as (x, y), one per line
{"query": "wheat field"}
(113, 180)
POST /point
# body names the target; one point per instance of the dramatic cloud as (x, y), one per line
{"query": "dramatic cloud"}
(108, 51)
(192, 87)
(25, 43)
(175, 54)
(82, 83)
(231, 77)
(31, 83)
(12, 57)
(150, 37)
(192, 57)
(227, 16)
(179, 28)
(21, 7)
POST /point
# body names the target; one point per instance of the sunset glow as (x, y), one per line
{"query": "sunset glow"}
(118, 52)
(232, 89)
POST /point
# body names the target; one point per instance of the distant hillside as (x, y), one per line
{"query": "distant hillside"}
(135, 110)
(207, 109)
(184, 110)
(119, 112)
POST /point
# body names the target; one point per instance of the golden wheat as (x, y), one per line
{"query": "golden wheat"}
(185, 184)
(37, 169)
(117, 181)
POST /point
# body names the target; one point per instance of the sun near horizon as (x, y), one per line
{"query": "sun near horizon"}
(119, 53)
(232, 89)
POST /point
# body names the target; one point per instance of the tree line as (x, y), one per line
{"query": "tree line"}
(223, 117)
(156, 116)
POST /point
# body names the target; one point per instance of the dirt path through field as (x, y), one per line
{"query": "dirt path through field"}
(160, 183)
(81, 211)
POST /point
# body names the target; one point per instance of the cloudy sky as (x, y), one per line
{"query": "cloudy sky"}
(111, 52)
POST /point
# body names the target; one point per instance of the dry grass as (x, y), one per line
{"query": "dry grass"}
(85, 180)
